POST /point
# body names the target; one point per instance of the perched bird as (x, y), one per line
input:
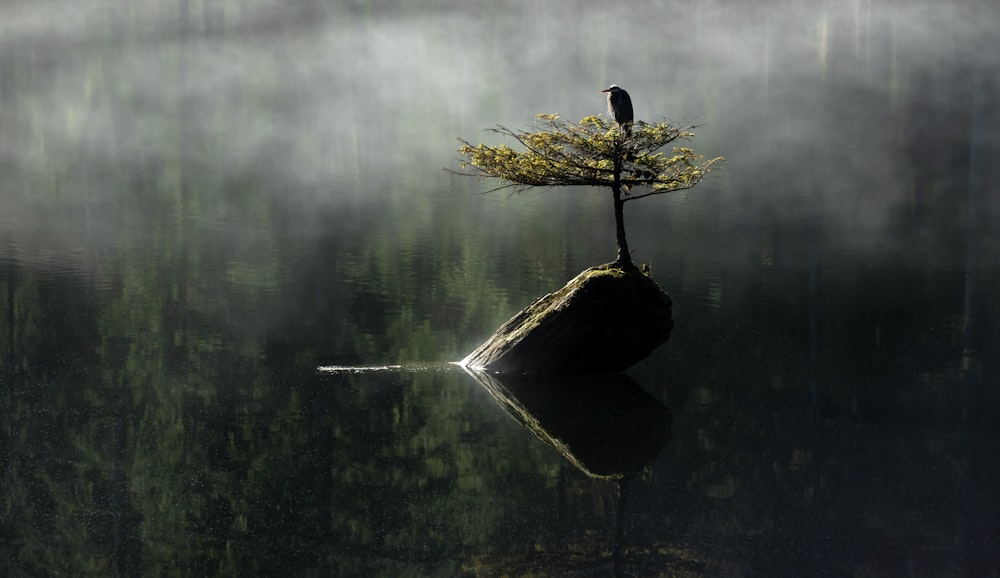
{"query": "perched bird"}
(620, 107)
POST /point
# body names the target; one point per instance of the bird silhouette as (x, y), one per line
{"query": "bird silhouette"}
(620, 107)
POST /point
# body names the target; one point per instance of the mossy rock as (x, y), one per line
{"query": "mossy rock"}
(606, 319)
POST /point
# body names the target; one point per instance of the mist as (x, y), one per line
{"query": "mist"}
(319, 105)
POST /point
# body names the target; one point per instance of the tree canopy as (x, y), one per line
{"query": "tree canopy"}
(594, 152)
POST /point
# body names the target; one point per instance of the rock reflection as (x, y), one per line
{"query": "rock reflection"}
(604, 424)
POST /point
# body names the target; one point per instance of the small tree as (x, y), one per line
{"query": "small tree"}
(595, 152)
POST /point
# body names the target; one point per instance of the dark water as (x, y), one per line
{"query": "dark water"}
(232, 269)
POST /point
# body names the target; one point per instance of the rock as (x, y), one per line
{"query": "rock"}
(606, 319)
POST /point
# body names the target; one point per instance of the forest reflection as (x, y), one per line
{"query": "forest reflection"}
(376, 472)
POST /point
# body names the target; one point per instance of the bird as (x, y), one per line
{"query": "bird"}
(620, 107)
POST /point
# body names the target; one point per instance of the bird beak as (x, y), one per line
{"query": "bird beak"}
(606, 90)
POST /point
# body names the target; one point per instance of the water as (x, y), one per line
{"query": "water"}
(233, 271)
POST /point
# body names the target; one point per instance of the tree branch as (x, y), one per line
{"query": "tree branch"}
(585, 153)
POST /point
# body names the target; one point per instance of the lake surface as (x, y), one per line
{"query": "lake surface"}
(233, 272)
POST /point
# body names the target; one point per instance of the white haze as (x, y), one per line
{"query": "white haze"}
(324, 99)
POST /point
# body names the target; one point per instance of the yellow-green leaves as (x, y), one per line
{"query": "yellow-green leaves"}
(593, 152)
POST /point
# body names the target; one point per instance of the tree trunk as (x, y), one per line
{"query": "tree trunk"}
(624, 255)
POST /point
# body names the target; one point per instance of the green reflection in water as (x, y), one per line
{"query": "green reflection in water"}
(340, 472)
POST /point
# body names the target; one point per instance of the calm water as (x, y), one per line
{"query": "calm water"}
(232, 271)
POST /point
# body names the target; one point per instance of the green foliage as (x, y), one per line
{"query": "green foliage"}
(593, 152)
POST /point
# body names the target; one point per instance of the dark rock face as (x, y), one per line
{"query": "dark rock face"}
(605, 319)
